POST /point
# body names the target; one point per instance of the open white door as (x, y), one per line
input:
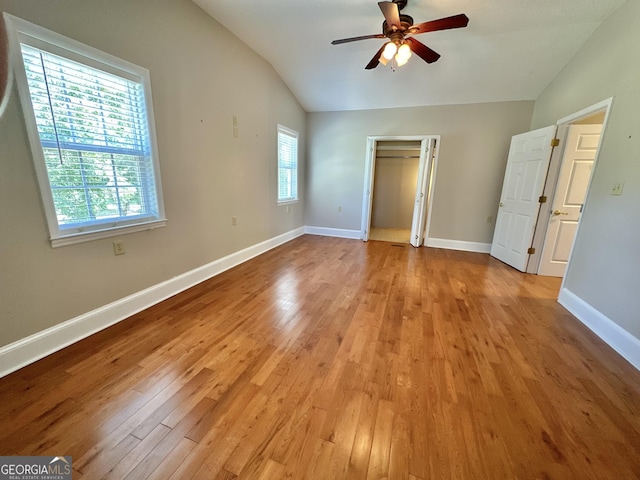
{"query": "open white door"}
(369, 175)
(422, 190)
(524, 180)
(578, 157)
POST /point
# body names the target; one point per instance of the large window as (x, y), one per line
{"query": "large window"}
(90, 124)
(287, 165)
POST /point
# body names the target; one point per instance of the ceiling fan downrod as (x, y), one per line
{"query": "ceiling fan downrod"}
(401, 3)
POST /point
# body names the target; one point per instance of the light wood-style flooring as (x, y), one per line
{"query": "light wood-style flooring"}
(330, 358)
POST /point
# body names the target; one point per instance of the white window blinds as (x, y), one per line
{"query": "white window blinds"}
(90, 127)
(287, 165)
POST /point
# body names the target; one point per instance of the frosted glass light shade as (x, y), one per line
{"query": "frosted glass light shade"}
(389, 51)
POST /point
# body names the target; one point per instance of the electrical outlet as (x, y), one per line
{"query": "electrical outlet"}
(617, 188)
(288, 208)
(490, 219)
(118, 248)
(234, 221)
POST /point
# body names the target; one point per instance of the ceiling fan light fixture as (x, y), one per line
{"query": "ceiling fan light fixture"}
(400, 61)
(389, 51)
(403, 55)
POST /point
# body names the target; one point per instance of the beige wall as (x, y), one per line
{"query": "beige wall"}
(605, 266)
(394, 189)
(473, 153)
(201, 76)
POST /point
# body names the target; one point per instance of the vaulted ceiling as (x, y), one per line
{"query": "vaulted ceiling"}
(510, 50)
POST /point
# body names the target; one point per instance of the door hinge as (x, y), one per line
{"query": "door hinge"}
(555, 142)
(542, 199)
(531, 251)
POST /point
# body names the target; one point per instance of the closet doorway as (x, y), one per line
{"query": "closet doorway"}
(398, 178)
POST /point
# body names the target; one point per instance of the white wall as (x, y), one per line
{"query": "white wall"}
(201, 77)
(605, 267)
(473, 154)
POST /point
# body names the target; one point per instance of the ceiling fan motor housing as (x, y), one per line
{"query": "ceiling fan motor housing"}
(405, 22)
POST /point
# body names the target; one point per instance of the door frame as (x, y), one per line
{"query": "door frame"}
(544, 214)
(427, 173)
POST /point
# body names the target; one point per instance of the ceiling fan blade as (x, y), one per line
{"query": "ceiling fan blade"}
(375, 60)
(456, 21)
(355, 39)
(422, 50)
(391, 13)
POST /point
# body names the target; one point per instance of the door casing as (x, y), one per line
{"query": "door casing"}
(552, 180)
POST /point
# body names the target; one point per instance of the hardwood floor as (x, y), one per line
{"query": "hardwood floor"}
(330, 358)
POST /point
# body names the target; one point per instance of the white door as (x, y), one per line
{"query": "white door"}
(524, 179)
(573, 182)
(367, 201)
(422, 190)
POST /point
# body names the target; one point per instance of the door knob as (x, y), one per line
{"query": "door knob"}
(558, 212)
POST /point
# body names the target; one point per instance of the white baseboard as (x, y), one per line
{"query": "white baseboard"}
(333, 232)
(34, 347)
(613, 334)
(458, 245)
(430, 242)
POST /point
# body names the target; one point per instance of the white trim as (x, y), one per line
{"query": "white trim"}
(4, 99)
(613, 334)
(111, 232)
(588, 111)
(34, 347)
(458, 245)
(605, 105)
(333, 232)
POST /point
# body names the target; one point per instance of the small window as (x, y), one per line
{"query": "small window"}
(287, 165)
(90, 122)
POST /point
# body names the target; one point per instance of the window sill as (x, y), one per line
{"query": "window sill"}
(287, 202)
(74, 238)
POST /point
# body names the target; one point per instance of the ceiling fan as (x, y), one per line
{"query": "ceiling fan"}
(399, 28)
